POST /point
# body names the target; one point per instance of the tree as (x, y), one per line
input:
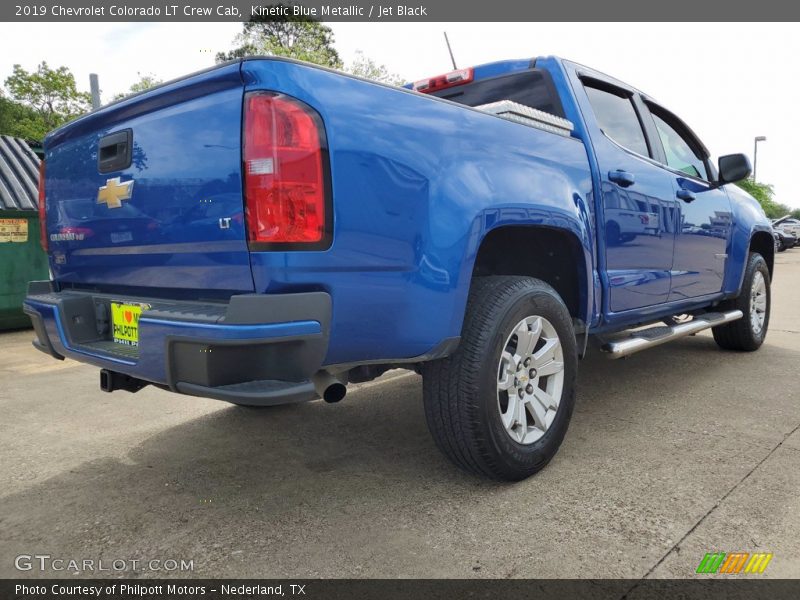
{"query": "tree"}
(763, 192)
(16, 119)
(50, 97)
(291, 36)
(145, 82)
(364, 66)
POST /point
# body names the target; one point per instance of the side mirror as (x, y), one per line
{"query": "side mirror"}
(733, 168)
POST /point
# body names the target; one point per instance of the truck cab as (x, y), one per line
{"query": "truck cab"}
(663, 224)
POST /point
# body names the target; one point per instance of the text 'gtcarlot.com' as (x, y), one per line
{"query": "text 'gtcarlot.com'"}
(47, 562)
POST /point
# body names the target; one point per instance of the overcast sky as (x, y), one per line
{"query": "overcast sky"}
(729, 82)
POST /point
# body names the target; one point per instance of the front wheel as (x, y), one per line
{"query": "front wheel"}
(748, 333)
(501, 404)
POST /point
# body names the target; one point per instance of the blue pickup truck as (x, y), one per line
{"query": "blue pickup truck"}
(268, 231)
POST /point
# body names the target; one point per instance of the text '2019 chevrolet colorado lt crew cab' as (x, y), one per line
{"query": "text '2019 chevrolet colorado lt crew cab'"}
(267, 231)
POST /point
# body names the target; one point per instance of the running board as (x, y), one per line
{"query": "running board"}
(655, 336)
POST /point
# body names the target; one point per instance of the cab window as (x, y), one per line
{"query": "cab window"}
(534, 88)
(681, 154)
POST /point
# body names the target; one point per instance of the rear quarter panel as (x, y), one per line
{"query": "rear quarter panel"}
(417, 183)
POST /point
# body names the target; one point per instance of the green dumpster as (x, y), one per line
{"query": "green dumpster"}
(21, 256)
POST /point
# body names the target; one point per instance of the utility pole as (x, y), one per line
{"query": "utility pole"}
(450, 50)
(94, 87)
(758, 138)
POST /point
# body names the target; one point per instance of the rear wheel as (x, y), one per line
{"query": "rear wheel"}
(748, 333)
(613, 234)
(501, 404)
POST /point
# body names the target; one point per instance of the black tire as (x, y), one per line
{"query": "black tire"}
(741, 335)
(613, 234)
(460, 391)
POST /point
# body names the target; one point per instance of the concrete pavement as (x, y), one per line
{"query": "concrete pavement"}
(672, 453)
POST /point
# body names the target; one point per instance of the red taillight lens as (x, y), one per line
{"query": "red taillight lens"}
(284, 175)
(42, 210)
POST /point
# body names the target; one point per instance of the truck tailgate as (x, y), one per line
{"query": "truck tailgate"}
(146, 194)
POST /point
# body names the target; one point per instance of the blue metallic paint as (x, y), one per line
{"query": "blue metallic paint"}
(702, 271)
(186, 171)
(417, 183)
(702, 240)
(748, 220)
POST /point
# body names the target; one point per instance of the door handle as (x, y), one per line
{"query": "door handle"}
(622, 178)
(114, 151)
(685, 195)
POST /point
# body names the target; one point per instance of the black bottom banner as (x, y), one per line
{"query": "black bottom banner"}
(390, 589)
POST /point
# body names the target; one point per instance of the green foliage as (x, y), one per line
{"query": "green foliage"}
(15, 119)
(145, 82)
(763, 192)
(304, 39)
(760, 191)
(364, 66)
(290, 36)
(41, 100)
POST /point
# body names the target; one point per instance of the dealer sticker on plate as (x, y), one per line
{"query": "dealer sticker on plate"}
(125, 322)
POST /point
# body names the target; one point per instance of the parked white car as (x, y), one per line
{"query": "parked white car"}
(788, 224)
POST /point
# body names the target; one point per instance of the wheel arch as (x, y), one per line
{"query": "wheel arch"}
(763, 243)
(554, 255)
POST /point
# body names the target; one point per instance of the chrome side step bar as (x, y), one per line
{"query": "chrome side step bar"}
(655, 336)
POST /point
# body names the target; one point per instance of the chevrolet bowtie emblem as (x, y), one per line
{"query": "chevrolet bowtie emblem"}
(114, 192)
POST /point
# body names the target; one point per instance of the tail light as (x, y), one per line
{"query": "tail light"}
(441, 82)
(42, 209)
(284, 172)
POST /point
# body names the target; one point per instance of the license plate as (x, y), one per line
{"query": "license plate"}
(125, 323)
(119, 237)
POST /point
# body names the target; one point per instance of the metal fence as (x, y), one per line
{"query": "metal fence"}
(19, 175)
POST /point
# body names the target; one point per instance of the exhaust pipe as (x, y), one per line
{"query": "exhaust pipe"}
(328, 387)
(111, 380)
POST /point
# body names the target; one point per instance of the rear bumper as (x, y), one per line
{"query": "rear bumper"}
(255, 347)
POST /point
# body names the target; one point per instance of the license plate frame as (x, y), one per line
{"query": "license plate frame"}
(119, 237)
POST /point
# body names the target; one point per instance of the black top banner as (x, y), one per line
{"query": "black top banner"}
(384, 10)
